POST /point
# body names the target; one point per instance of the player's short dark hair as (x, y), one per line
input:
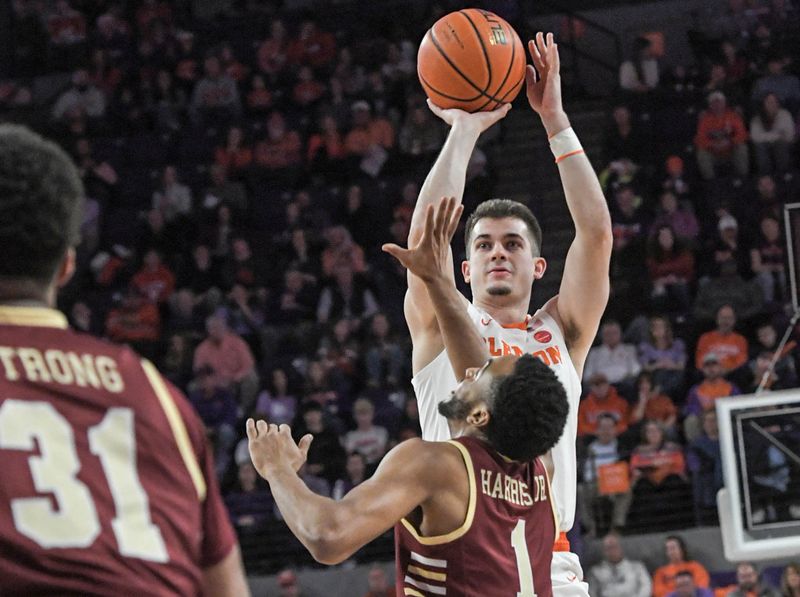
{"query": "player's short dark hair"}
(41, 205)
(528, 410)
(505, 208)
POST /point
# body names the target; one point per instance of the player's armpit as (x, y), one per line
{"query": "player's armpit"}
(406, 478)
(226, 579)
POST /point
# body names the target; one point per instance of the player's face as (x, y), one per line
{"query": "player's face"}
(501, 263)
(475, 387)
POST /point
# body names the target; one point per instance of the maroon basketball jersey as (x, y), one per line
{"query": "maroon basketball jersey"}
(503, 548)
(107, 482)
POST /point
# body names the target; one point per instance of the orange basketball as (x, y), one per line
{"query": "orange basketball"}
(471, 59)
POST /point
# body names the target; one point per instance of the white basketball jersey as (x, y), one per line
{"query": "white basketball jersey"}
(540, 337)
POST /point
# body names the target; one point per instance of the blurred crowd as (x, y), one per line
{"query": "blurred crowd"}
(242, 172)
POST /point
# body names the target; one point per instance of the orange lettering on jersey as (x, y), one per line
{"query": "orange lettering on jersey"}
(542, 356)
(554, 352)
(493, 350)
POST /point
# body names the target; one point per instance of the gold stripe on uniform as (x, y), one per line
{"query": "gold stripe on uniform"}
(178, 428)
(460, 531)
(412, 592)
(428, 574)
(32, 316)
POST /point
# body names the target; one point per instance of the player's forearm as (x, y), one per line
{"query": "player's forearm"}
(465, 346)
(585, 200)
(309, 516)
(448, 175)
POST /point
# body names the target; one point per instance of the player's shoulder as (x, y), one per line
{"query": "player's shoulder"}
(423, 455)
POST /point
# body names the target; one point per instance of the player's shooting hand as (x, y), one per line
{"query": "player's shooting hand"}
(478, 120)
(429, 258)
(272, 447)
(543, 79)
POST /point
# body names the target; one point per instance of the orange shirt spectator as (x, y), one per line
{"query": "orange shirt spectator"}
(664, 577)
(259, 98)
(731, 348)
(718, 131)
(652, 405)
(602, 399)
(154, 281)
(271, 54)
(135, 320)
(282, 147)
(367, 131)
(313, 47)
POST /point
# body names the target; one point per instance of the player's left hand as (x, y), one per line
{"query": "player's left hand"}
(429, 258)
(543, 79)
(272, 447)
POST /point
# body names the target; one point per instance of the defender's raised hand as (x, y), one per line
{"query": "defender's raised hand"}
(272, 447)
(428, 258)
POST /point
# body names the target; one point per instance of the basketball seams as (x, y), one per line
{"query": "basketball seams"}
(513, 36)
(465, 14)
(454, 67)
(425, 82)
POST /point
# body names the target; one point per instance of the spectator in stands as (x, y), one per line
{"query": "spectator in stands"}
(685, 587)
(769, 200)
(241, 267)
(729, 289)
(384, 359)
(768, 261)
(216, 407)
(616, 575)
(663, 355)
(677, 561)
(307, 90)
(615, 359)
(225, 192)
(276, 404)
(724, 342)
(602, 399)
(420, 134)
(235, 155)
(258, 100)
(652, 405)
(230, 359)
(367, 132)
(671, 267)
(271, 55)
(176, 365)
(658, 473)
(701, 396)
(312, 46)
(678, 182)
(230, 64)
(102, 74)
(623, 138)
(772, 130)
(640, 75)
(355, 474)
(250, 504)
(173, 198)
(721, 139)
(704, 460)
(216, 95)
(296, 301)
(325, 456)
(99, 177)
(629, 227)
(326, 146)
(318, 387)
(169, 102)
(135, 321)
(287, 581)
(679, 218)
(202, 276)
(82, 98)
(785, 87)
(187, 60)
(155, 281)
(347, 296)
(602, 451)
(67, 29)
(369, 439)
(281, 149)
(766, 340)
(378, 583)
(341, 251)
(790, 581)
(749, 583)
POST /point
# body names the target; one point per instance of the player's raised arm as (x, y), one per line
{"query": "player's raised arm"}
(333, 530)
(446, 179)
(584, 288)
(430, 260)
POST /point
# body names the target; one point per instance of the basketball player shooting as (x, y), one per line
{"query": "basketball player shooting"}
(476, 513)
(503, 243)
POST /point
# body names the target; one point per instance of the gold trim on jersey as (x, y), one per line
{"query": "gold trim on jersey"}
(412, 592)
(427, 573)
(460, 531)
(32, 316)
(178, 428)
(551, 500)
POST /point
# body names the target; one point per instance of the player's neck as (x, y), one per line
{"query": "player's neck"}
(503, 311)
(26, 293)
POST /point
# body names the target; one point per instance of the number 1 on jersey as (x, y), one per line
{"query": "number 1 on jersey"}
(523, 561)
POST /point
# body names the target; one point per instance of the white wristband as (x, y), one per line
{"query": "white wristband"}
(565, 144)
